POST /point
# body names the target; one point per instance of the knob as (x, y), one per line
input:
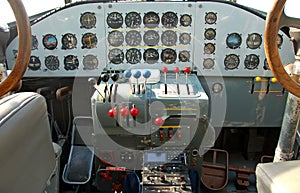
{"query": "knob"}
(134, 112)
(124, 112)
(164, 69)
(115, 77)
(137, 74)
(187, 70)
(127, 73)
(104, 77)
(176, 70)
(112, 113)
(159, 121)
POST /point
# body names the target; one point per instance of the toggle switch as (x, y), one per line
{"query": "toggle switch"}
(104, 78)
(179, 134)
(187, 70)
(127, 74)
(134, 113)
(146, 75)
(137, 74)
(165, 70)
(177, 70)
(114, 77)
(161, 135)
(170, 133)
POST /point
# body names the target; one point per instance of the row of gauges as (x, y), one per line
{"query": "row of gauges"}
(151, 38)
(71, 62)
(150, 56)
(232, 61)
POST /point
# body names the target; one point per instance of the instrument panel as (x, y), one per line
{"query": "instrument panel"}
(85, 38)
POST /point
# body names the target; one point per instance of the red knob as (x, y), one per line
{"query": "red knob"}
(164, 69)
(176, 70)
(124, 112)
(159, 121)
(112, 113)
(187, 70)
(134, 112)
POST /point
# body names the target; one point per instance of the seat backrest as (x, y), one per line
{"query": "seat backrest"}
(27, 157)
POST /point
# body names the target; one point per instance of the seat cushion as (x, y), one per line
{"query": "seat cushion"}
(27, 157)
(281, 177)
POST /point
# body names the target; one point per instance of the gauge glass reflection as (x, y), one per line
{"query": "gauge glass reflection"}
(114, 20)
(35, 43)
(133, 20)
(185, 20)
(169, 20)
(50, 41)
(184, 56)
(69, 41)
(115, 38)
(185, 38)
(209, 48)
(133, 56)
(210, 18)
(89, 40)
(151, 38)
(71, 62)
(234, 40)
(168, 56)
(266, 65)
(151, 19)
(116, 56)
(34, 63)
(251, 61)
(151, 56)
(88, 20)
(90, 62)
(254, 41)
(231, 62)
(279, 40)
(169, 38)
(52, 62)
(208, 63)
(133, 38)
(210, 34)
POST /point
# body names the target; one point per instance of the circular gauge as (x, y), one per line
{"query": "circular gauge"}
(210, 18)
(133, 38)
(114, 20)
(151, 38)
(266, 65)
(169, 38)
(116, 56)
(209, 48)
(133, 56)
(208, 63)
(184, 56)
(151, 56)
(52, 62)
(35, 43)
(231, 62)
(210, 34)
(185, 20)
(169, 19)
(50, 41)
(234, 40)
(185, 38)
(279, 40)
(90, 62)
(254, 40)
(151, 19)
(89, 40)
(69, 41)
(168, 56)
(115, 38)
(34, 63)
(251, 61)
(71, 62)
(133, 20)
(88, 20)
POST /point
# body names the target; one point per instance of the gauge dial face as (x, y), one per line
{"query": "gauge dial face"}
(133, 20)
(185, 20)
(69, 41)
(184, 56)
(151, 19)
(168, 56)
(89, 40)
(34, 63)
(210, 18)
(133, 38)
(133, 56)
(185, 38)
(234, 40)
(279, 40)
(254, 41)
(90, 62)
(169, 38)
(151, 38)
(35, 43)
(169, 20)
(210, 34)
(52, 62)
(151, 56)
(116, 56)
(88, 20)
(266, 65)
(71, 62)
(251, 61)
(115, 38)
(209, 48)
(50, 41)
(231, 62)
(208, 63)
(114, 20)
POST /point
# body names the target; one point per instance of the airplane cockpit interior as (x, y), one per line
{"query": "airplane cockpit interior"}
(103, 96)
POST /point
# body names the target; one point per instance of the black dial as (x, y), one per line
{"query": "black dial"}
(71, 62)
(116, 56)
(185, 38)
(89, 40)
(35, 43)
(185, 20)
(184, 56)
(114, 20)
(151, 56)
(90, 62)
(133, 20)
(88, 20)
(210, 18)
(151, 19)
(251, 61)
(210, 34)
(52, 62)
(115, 38)
(168, 56)
(34, 63)
(133, 56)
(231, 62)
(133, 38)
(254, 41)
(151, 38)
(50, 41)
(234, 40)
(69, 41)
(169, 38)
(169, 20)
(266, 65)
(209, 48)
(208, 63)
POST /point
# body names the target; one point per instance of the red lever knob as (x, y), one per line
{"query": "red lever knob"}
(159, 121)
(187, 70)
(124, 112)
(134, 112)
(176, 69)
(164, 69)
(112, 113)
